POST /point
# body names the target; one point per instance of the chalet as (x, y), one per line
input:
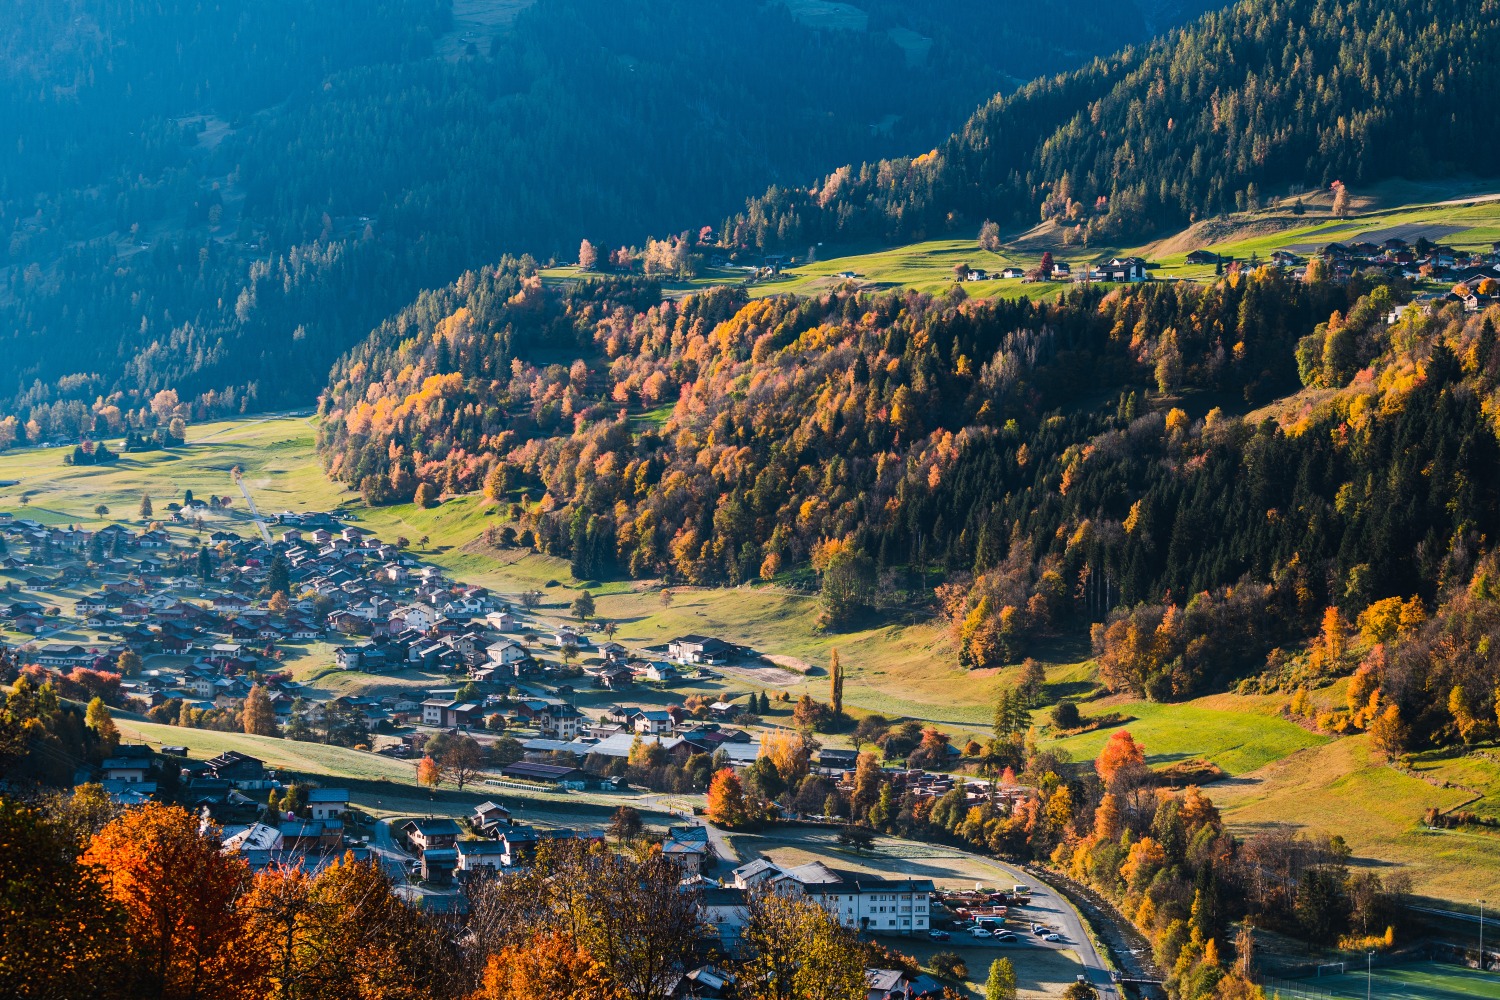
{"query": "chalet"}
(449, 714)
(654, 722)
(1203, 257)
(898, 984)
(489, 816)
(1012, 272)
(475, 856)
(328, 803)
(689, 847)
(699, 649)
(1124, 269)
(505, 652)
(431, 834)
(128, 769)
(64, 655)
(562, 722)
(502, 621)
(615, 677)
(236, 767)
(662, 673)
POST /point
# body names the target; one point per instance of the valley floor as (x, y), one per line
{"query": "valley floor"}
(1280, 773)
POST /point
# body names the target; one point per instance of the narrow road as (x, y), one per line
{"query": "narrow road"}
(383, 846)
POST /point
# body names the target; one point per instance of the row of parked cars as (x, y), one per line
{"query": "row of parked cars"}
(986, 929)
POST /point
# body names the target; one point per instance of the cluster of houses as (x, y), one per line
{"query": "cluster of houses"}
(1474, 274)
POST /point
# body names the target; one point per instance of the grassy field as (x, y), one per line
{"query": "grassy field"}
(1421, 981)
(384, 786)
(1239, 734)
(1465, 215)
(1339, 788)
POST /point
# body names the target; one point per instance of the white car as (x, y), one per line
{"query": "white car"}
(981, 932)
(1051, 937)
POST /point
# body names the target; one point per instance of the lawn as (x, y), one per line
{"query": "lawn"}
(1238, 733)
(1339, 787)
(386, 786)
(1421, 981)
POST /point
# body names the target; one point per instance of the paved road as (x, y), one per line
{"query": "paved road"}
(392, 858)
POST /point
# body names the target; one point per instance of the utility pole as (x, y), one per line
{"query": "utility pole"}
(1369, 960)
(1481, 935)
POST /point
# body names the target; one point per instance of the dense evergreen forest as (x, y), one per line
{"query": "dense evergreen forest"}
(1262, 100)
(218, 198)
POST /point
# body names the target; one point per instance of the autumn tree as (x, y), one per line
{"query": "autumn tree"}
(430, 772)
(633, 918)
(1121, 754)
(102, 723)
(726, 800)
(989, 236)
(1001, 984)
(461, 759)
(550, 966)
(625, 824)
(258, 717)
(179, 893)
(1340, 199)
(798, 951)
(588, 256)
(1389, 734)
(60, 933)
(835, 683)
(128, 663)
(790, 752)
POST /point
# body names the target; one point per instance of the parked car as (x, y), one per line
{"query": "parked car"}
(1005, 936)
(980, 932)
(938, 935)
(1051, 937)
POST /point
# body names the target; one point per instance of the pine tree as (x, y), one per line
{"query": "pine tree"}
(146, 509)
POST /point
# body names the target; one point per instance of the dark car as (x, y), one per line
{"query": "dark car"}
(938, 935)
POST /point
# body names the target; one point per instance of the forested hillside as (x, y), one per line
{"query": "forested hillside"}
(1034, 463)
(218, 198)
(1258, 101)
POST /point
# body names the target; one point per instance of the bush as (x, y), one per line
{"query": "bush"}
(1065, 715)
(950, 965)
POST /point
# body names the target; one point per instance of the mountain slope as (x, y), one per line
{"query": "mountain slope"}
(1266, 98)
(217, 199)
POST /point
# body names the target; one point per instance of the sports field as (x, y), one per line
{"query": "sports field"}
(1421, 981)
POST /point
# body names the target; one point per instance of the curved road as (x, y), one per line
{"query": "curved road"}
(1047, 905)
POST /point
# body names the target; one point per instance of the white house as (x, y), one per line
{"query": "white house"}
(505, 652)
(328, 803)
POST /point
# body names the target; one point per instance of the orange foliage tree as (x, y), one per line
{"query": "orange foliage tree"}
(179, 891)
(726, 799)
(430, 772)
(548, 967)
(1120, 752)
